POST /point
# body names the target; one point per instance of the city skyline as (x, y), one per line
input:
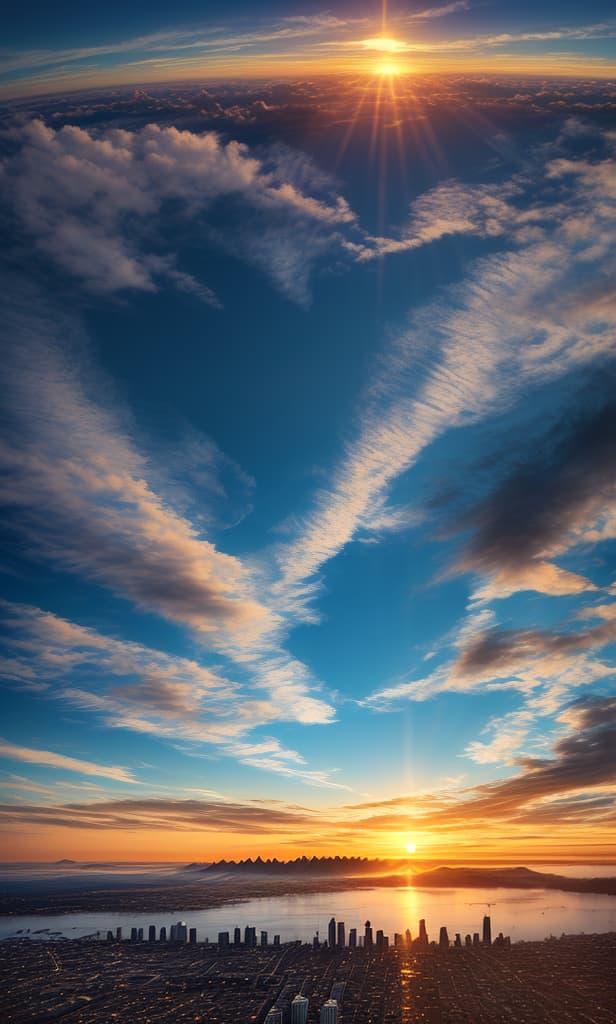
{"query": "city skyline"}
(308, 432)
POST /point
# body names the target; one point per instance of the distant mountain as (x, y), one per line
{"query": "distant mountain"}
(510, 878)
(397, 872)
(65, 860)
(305, 867)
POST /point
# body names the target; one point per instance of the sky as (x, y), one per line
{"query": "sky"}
(308, 507)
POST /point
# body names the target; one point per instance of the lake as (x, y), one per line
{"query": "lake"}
(522, 914)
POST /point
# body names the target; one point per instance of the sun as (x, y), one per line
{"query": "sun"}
(411, 848)
(387, 67)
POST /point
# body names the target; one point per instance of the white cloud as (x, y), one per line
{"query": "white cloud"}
(91, 203)
(61, 761)
(469, 354)
(88, 501)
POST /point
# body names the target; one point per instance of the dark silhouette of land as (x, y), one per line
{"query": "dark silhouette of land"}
(511, 878)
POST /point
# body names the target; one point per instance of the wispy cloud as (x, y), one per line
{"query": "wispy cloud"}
(472, 351)
(89, 502)
(71, 764)
(569, 789)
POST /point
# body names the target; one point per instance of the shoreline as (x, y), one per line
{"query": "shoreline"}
(210, 894)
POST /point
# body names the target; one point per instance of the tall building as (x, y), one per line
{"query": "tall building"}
(331, 933)
(274, 1016)
(423, 935)
(140, 934)
(223, 939)
(367, 935)
(119, 934)
(340, 936)
(299, 1010)
(352, 938)
(152, 933)
(329, 1012)
(443, 939)
(398, 940)
(192, 936)
(276, 940)
(264, 938)
(407, 936)
(237, 936)
(379, 940)
(182, 931)
(250, 936)
(487, 931)
(163, 934)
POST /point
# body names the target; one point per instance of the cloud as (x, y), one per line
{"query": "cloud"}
(92, 204)
(571, 790)
(156, 813)
(88, 499)
(472, 352)
(558, 497)
(439, 11)
(70, 764)
(545, 665)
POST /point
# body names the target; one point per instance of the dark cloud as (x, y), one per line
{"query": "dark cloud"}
(584, 759)
(498, 650)
(182, 815)
(559, 493)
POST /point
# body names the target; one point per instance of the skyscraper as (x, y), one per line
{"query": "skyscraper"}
(182, 931)
(352, 938)
(274, 1016)
(423, 935)
(368, 936)
(331, 933)
(163, 934)
(340, 936)
(192, 936)
(487, 931)
(299, 1010)
(329, 1012)
(443, 939)
(264, 938)
(152, 933)
(237, 936)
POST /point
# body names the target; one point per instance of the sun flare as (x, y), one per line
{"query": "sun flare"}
(411, 848)
(387, 67)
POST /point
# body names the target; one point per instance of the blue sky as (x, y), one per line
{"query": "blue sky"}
(308, 443)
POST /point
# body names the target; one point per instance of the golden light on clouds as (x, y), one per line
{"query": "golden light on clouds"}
(384, 44)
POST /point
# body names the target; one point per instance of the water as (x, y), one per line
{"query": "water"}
(522, 914)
